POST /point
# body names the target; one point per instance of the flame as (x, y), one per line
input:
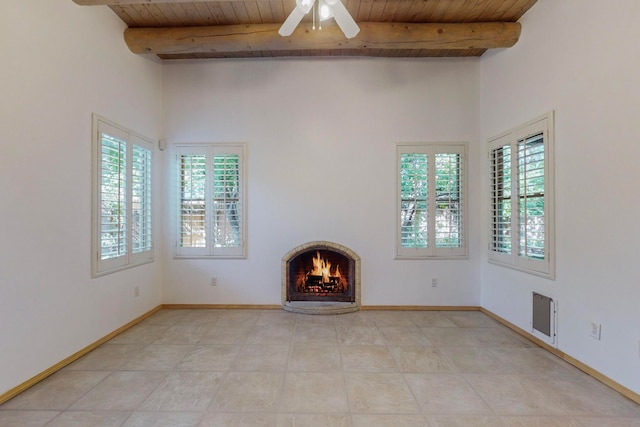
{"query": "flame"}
(322, 278)
(322, 267)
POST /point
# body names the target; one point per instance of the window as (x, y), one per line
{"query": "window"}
(431, 202)
(521, 167)
(122, 214)
(211, 201)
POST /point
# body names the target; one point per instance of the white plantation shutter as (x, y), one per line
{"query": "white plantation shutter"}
(448, 200)
(141, 172)
(211, 200)
(521, 167)
(430, 210)
(501, 200)
(113, 193)
(227, 201)
(122, 231)
(192, 167)
(413, 201)
(531, 196)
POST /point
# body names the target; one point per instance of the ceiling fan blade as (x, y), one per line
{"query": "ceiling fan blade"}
(292, 21)
(346, 23)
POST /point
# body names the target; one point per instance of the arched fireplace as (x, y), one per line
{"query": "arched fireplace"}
(321, 278)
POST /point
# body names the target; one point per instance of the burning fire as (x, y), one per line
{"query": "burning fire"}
(322, 279)
(322, 267)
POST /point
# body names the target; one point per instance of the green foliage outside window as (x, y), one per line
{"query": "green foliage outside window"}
(414, 198)
(226, 196)
(531, 193)
(113, 227)
(192, 201)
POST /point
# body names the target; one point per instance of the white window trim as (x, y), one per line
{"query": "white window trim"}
(209, 251)
(432, 252)
(128, 259)
(543, 268)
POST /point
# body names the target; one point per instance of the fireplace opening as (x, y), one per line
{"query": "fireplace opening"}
(321, 277)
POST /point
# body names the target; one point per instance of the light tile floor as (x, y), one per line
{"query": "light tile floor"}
(273, 368)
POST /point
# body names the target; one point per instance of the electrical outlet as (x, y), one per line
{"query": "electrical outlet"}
(434, 283)
(596, 330)
(136, 291)
(214, 281)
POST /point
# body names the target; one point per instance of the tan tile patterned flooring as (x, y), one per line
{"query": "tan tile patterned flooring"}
(273, 368)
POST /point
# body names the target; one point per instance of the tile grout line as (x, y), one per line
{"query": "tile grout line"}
(462, 376)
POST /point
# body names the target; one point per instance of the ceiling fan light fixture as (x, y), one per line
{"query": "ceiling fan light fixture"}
(325, 11)
(305, 5)
(328, 8)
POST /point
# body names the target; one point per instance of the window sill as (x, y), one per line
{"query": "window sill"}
(97, 274)
(431, 257)
(545, 275)
(175, 256)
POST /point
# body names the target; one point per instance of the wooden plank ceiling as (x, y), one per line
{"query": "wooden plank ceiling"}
(183, 29)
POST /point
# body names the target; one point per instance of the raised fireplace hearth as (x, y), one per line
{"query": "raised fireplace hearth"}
(321, 278)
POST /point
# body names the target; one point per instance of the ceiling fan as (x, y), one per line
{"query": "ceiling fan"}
(325, 9)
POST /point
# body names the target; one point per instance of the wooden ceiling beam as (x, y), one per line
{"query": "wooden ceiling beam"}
(372, 35)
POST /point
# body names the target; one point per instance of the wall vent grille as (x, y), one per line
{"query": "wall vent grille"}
(544, 317)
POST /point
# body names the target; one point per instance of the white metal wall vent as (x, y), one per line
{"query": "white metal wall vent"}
(544, 317)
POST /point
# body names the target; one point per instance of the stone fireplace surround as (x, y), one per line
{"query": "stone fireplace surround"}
(320, 307)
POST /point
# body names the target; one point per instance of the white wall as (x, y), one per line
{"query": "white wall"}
(580, 58)
(321, 162)
(60, 63)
